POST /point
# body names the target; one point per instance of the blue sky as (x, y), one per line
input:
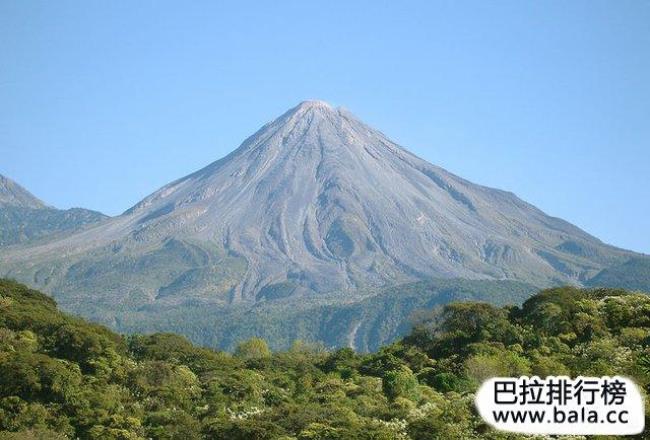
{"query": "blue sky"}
(103, 102)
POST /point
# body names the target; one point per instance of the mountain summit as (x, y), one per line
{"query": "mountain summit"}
(314, 202)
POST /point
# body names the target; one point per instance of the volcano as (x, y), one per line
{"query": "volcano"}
(314, 203)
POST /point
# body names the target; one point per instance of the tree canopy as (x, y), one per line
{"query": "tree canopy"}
(62, 377)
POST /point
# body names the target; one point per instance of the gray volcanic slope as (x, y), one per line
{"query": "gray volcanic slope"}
(314, 202)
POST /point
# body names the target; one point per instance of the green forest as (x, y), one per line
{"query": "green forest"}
(62, 377)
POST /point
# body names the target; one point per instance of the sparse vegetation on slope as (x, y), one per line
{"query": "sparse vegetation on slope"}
(24, 218)
(25, 224)
(379, 319)
(634, 274)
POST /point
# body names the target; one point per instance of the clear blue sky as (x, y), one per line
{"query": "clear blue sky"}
(103, 102)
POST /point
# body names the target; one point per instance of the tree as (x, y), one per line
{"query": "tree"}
(253, 349)
(400, 383)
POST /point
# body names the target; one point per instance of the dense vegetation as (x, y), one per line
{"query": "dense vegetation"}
(61, 377)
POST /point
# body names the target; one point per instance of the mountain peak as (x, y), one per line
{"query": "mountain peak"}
(12, 194)
(314, 104)
(312, 107)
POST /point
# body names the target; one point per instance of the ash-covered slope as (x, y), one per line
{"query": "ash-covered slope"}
(24, 218)
(315, 201)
